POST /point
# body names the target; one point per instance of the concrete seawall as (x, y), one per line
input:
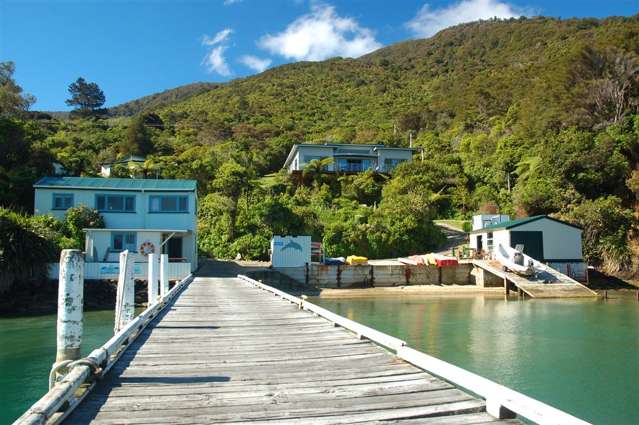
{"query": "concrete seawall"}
(365, 276)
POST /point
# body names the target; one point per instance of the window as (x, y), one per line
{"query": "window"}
(391, 163)
(489, 241)
(115, 203)
(62, 201)
(168, 204)
(354, 165)
(123, 240)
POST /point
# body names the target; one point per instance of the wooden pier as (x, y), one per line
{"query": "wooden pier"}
(233, 350)
(547, 283)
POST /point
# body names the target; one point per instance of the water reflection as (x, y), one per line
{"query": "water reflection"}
(579, 355)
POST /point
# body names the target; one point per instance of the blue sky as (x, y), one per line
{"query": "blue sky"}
(133, 48)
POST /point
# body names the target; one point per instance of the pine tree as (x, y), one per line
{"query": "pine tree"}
(88, 98)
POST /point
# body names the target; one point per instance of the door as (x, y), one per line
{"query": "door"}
(479, 243)
(174, 247)
(533, 242)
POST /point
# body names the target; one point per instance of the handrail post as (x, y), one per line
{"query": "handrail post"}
(494, 408)
(70, 305)
(152, 279)
(125, 299)
(164, 274)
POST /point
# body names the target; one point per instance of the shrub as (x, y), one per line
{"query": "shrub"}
(78, 218)
(607, 225)
(24, 254)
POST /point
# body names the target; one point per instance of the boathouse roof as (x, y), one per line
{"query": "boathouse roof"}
(100, 183)
(520, 222)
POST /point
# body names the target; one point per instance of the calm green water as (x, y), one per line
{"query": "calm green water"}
(27, 350)
(579, 356)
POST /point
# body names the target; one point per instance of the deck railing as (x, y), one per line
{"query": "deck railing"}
(501, 402)
(97, 271)
(77, 376)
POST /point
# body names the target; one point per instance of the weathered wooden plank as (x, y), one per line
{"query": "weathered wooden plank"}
(227, 352)
(299, 377)
(464, 419)
(327, 419)
(275, 408)
(214, 387)
(299, 396)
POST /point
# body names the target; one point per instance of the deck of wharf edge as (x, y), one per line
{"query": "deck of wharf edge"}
(227, 352)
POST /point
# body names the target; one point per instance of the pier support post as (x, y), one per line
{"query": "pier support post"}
(152, 279)
(70, 305)
(125, 298)
(164, 274)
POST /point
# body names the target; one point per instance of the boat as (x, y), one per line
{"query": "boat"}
(515, 260)
(413, 260)
(356, 260)
(428, 259)
(440, 260)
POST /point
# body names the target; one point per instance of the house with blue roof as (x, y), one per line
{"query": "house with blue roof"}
(141, 215)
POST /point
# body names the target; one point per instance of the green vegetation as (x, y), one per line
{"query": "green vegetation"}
(86, 97)
(28, 243)
(154, 101)
(523, 116)
(461, 225)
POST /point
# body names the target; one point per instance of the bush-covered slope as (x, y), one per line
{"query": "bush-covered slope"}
(158, 100)
(459, 79)
(525, 116)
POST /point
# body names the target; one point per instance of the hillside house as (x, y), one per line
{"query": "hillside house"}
(348, 158)
(131, 162)
(140, 215)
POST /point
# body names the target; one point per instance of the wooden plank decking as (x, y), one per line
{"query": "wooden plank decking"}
(227, 352)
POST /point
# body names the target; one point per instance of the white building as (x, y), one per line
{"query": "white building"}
(544, 238)
(140, 215)
(348, 158)
(482, 220)
(131, 161)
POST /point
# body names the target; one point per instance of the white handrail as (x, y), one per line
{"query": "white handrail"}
(501, 401)
(45, 410)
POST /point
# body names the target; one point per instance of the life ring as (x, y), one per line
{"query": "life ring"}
(147, 248)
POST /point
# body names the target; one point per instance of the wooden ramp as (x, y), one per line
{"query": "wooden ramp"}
(547, 283)
(225, 351)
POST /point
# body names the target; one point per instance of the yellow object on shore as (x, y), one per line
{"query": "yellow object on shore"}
(352, 260)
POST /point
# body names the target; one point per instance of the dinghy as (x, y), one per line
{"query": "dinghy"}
(515, 260)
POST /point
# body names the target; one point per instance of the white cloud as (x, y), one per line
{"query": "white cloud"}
(218, 38)
(429, 21)
(321, 34)
(255, 63)
(214, 59)
(230, 2)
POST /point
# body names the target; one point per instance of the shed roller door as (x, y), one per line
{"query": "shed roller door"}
(533, 242)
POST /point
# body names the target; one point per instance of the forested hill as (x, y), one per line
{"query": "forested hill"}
(156, 100)
(534, 70)
(523, 116)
